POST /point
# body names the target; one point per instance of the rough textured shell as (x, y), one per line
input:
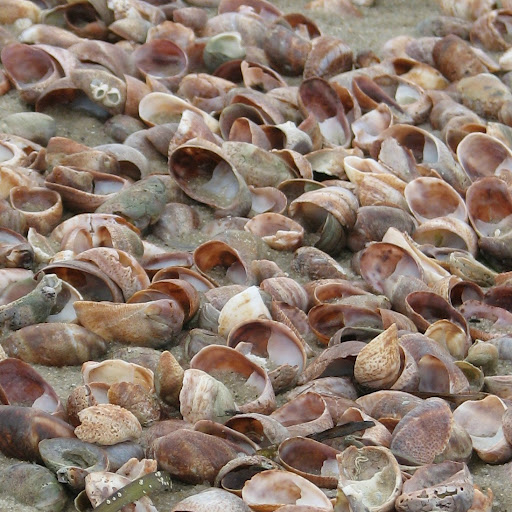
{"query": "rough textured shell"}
(107, 424)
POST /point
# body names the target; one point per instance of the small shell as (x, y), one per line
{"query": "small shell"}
(107, 424)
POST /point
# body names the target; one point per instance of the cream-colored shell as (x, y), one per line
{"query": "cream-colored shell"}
(203, 397)
(107, 424)
(377, 366)
(246, 305)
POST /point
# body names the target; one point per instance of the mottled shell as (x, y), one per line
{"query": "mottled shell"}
(107, 424)
(378, 364)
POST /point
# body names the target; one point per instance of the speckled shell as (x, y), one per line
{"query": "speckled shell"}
(107, 424)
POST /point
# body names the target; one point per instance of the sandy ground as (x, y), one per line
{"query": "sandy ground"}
(386, 19)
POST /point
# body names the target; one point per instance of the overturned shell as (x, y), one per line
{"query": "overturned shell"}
(54, 344)
(192, 456)
(107, 424)
(145, 324)
(378, 364)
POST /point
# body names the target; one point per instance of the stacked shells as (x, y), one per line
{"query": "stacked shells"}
(267, 287)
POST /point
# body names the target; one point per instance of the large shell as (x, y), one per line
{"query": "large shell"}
(54, 344)
(148, 324)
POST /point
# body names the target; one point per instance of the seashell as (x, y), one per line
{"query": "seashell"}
(450, 335)
(432, 271)
(340, 7)
(192, 456)
(370, 467)
(304, 415)
(203, 397)
(15, 251)
(271, 169)
(72, 460)
(168, 378)
(261, 429)
(118, 265)
(449, 53)
(466, 9)
(159, 108)
(145, 324)
(244, 306)
(162, 59)
(268, 490)
(447, 484)
(204, 91)
(430, 198)
(24, 427)
(278, 231)
(369, 126)
(273, 344)
(221, 48)
(101, 485)
(482, 420)
(34, 486)
(286, 50)
(285, 289)
(335, 361)
(152, 194)
(422, 74)
(236, 472)
(407, 100)
(237, 439)
(211, 500)
(107, 424)
(382, 263)
(20, 384)
(225, 189)
(225, 362)
(328, 57)
(54, 344)
(41, 208)
(38, 72)
(101, 87)
(33, 126)
(372, 222)
(418, 446)
(428, 151)
(484, 93)
(83, 191)
(133, 397)
(378, 363)
(490, 30)
(265, 9)
(32, 308)
(326, 319)
(331, 211)
(319, 99)
(319, 466)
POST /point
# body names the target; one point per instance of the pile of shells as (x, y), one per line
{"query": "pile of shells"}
(300, 295)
